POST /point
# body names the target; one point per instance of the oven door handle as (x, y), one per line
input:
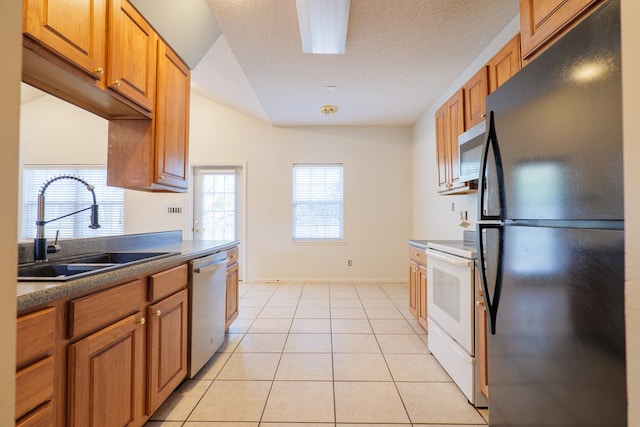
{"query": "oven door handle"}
(457, 261)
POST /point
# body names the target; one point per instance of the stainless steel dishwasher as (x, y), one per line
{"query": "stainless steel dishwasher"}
(207, 305)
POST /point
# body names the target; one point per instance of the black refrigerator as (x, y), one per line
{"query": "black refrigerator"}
(551, 234)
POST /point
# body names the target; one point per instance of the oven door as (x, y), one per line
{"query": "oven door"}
(450, 302)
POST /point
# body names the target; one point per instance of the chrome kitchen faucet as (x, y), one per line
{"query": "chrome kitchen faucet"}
(40, 248)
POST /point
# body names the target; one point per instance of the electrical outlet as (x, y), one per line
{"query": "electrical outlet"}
(453, 206)
(349, 263)
(174, 210)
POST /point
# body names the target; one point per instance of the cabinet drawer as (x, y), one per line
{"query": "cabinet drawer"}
(418, 255)
(103, 308)
(34, 386)
(41, 417)
(167, 282)
(232, 256)
(35, 336)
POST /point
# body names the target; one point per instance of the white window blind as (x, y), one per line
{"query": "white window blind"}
(318, 202)
(217, 204)
(65, 196)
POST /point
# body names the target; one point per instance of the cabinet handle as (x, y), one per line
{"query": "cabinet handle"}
(480, 303)
(116, 83)
(99, 70)
(483, 115)
(142, 321)
(161, 177)
(158, 313)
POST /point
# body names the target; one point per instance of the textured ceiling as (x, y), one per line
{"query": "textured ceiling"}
(400, 56)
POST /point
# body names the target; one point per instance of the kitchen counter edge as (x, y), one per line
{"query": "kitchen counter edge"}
(32, 294)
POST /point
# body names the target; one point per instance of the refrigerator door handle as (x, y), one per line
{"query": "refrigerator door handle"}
(491, 142)
(491, 301)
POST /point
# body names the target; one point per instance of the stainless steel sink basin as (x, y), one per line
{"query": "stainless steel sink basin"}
(83, 265)
(118, 257)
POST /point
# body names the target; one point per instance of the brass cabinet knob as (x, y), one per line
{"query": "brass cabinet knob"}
(116, 83)
(480, 303)
(483, 115)
(99, 70)
(158, 313)
(142, 321)
(161, 177)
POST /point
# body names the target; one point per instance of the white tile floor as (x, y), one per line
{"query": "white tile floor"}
(321, 355)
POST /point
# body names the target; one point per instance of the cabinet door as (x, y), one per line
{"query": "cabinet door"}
(422, 296)
(454, 125)
(106, 376)
(442, 145)
(475, 94)
(167, 348)
(73, 29)
(232, 294)
(172, 119)
(413, 288)
(541, 20)
(131, 69)
(481, 337)
(505, 63)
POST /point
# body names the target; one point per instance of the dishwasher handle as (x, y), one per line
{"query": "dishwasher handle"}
(203, 266)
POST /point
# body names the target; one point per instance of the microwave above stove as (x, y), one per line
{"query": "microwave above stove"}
(470, 152)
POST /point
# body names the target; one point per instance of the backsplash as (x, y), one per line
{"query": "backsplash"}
(71, 247)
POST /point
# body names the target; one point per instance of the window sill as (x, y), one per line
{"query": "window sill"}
(319, 242)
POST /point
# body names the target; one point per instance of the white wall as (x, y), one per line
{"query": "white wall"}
(377, 192)
(10, 33)
(631, 112)
(433, 217)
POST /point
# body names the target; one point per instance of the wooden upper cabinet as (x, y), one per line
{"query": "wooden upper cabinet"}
(449, 124)
(131, 69)
(442, 147)
(172, 119)
(455, 116)
(73, 29)
(475, 94)
(152, 155)
(542, 20)
(504, 64)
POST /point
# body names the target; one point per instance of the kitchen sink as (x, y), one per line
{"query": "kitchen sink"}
(118, 257)
(83, 265)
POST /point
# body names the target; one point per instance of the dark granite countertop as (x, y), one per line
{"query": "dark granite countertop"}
(32, 294)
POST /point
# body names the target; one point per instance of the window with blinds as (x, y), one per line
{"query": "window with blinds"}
(318, 202)
(66, 196)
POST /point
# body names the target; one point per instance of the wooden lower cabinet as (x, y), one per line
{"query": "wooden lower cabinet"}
(232, 294)
(422, 296)
(418, 284)
(43, 416)
(106, 376)
(481, 337)
(413, 288)
(167, 348)
(35, 368)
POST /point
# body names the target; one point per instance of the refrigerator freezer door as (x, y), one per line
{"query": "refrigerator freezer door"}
(558, 125)
(558, 354)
